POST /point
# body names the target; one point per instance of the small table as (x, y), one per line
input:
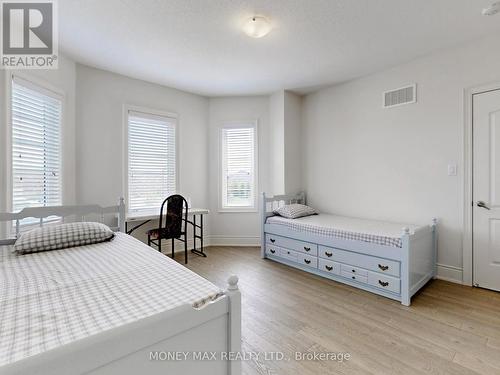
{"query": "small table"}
(146, 216)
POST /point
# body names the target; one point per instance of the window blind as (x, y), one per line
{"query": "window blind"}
(151, 160)
(36, 146)
(238, 166)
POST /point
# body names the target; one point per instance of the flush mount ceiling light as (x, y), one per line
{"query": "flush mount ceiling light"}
(257, 27)
(491, 10)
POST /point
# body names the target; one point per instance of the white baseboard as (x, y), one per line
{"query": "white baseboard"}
(449, 273)
(239, 241)
(215, 240)
(212, 241)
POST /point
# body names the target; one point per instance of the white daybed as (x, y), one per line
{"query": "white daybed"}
(110, 308)
(393, 260)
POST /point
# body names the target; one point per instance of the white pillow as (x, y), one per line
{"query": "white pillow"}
(293, 211)
(62, 236)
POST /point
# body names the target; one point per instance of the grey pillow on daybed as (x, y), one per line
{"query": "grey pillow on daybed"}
(294, 211)
(62, 236)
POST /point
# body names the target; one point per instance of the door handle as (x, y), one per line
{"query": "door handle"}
(482, 205)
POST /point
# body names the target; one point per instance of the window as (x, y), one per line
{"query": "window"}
(238, 167)
(36, 146)
(152, 173)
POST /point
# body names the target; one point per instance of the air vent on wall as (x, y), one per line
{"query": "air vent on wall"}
(401, 96)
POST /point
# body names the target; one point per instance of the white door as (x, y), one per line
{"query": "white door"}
(486, 189)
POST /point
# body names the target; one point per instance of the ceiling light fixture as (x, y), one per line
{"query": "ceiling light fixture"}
(491, 10)
(257, 27)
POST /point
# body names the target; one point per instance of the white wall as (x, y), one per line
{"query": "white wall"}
(62, 80)
(391, 164)
(286, 146)
(237, 228)
(293, 144)
(101, 96)
(277, 138)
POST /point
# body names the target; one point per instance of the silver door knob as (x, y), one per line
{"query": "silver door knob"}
(482, 205)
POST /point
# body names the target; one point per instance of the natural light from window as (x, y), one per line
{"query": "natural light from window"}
(36, 146)
(238, 167)
(151, 160)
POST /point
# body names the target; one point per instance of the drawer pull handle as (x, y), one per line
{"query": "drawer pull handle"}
(272, 251)
(383, 283)
(328, 254)
(272, 240)
(307, 248)
(307, 261)
(329, 268)
(383, 268)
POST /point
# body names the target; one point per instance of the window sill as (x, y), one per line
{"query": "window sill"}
(237, 210)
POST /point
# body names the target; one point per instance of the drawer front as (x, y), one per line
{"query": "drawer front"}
(292, 255)
(385, 266)
(272, 250)
(359, 278)
(290, 243)
(329, 266)
(345, 268)
(308, 260)
(326, 252)
(384, 282)
(289, 254)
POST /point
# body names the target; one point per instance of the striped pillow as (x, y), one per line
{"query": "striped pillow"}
(294, 211)
(62, 236)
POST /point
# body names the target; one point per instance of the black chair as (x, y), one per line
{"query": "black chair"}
(171, 228)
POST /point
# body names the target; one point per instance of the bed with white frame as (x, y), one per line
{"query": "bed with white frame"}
(214, 327)
(393, 271)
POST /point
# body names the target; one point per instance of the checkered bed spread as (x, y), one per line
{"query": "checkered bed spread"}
(56, 297)
(380, 233)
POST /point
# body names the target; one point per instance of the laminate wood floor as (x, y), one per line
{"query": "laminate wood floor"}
(448, 329)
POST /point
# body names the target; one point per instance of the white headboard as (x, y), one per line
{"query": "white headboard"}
(271, 203)
(78, 213)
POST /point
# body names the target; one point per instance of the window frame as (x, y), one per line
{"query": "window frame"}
(46, 89)
(220, 190)
(127, 108)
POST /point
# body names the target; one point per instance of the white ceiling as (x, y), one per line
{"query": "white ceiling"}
(198, 45)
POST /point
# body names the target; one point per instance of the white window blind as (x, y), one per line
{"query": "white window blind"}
(238, 167)
(151, 160)
(36, 146)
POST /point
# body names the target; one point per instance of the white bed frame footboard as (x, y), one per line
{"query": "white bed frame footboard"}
(154, 345)
(411, 266)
